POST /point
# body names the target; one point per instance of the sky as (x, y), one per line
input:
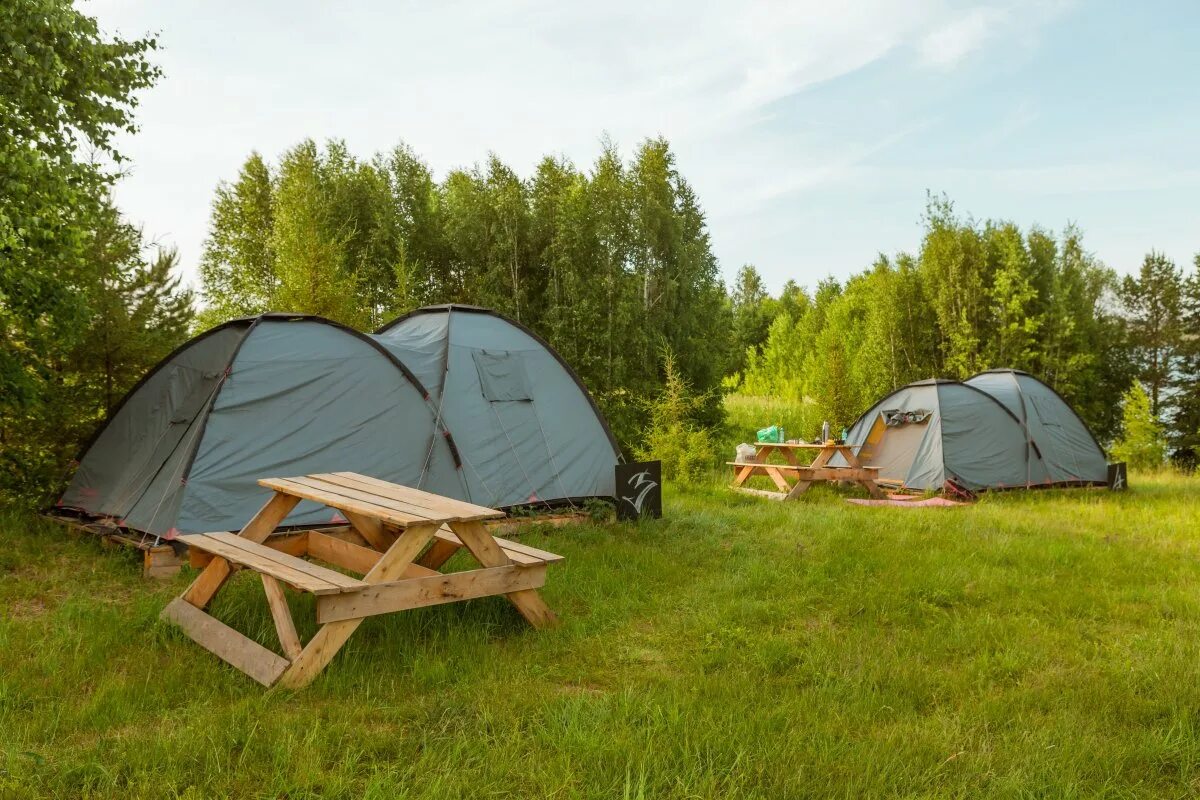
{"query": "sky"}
(811, 130)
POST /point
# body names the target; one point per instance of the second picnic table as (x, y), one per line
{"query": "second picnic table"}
(804, 474)
(403, 536)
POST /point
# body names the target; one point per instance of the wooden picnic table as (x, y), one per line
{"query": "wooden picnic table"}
(804, 474)
(403, 535)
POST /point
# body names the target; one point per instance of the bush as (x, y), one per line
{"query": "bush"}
(687, 450)
(1142, 445)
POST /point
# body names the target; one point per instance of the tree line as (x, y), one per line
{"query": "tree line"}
(977, 296)
(611, 263)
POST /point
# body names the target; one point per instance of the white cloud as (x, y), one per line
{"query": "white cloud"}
(458, 79)
(950, 43)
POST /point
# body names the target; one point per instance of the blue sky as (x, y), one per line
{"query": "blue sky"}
(810, 130)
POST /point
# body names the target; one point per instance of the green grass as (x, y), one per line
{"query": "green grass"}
(1036, 644)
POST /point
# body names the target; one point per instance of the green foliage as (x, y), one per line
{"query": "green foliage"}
(1153, 303)
(754, 310)
(237, 267)
(976, 297)
(687, 450)
(81, 313)
(606, 265)
(1142, 445)
(1186, 417)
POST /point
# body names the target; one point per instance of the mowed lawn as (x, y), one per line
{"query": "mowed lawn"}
(1036, 644)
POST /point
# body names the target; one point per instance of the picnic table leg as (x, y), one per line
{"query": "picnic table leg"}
(201, 591)
(742, 476)
(821, 460)
(327, 641)
(780, 482)
(289, 640)
(438, 554)
(369, 528)
(852, 460)
(476, 538)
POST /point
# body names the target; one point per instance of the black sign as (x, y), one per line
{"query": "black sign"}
(1118, 478)
(639, 490)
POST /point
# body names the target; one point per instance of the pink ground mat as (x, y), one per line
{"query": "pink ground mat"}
(907, 501)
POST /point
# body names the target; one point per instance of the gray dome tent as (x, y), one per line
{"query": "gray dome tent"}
(998, 430)
(455, 400)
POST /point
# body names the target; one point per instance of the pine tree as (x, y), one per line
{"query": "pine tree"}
(1142, 445)
(1185, 421)
(1151, 301)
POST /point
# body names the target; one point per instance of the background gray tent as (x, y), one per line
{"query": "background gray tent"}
(456, 400)
(1000, 429)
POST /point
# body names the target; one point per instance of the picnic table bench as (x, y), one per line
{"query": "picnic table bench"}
(804, 474)
(406, 535)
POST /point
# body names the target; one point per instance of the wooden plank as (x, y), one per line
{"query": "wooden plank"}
(342, 501)
(353, 557)
(294, 544)
(367, 496)
(225, 643)
(160, 562)
(440, 551)
(289, 640)
(481, 544)
(429, 591)
(475, 537)
(460, 509)
(201, 591)
(511, 549)
(321, 649)
(777, 477)
(760, 493)
(819, 473)
(262, 524)
(433, 505)
(260, 558)
(284, 560)
(342, 553)
(370, 529)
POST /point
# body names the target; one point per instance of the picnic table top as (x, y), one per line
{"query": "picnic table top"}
(801, 445)
(389, 502)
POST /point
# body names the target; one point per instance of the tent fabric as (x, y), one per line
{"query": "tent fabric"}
(454, 400)
(1000, 429)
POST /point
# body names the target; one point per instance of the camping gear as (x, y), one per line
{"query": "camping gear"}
(999, 429)
(773, 434)
(819, 469)
(455, 400)
(745, 452)
(392, 580)
(825, 431)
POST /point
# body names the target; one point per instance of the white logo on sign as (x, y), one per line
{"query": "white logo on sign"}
(1118, 480)
(639, 480)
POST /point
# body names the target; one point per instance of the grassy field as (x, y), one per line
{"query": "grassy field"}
(1042, 644)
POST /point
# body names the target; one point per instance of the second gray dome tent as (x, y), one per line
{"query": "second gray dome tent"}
(1000, 429)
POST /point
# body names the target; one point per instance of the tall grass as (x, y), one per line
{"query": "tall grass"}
(1033, 644)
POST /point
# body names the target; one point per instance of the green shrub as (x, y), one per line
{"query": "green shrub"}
(687, 450)
(1142, 445)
